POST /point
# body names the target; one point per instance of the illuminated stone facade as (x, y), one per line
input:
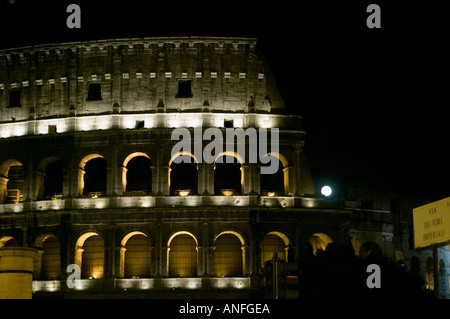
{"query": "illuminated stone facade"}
(87, 175)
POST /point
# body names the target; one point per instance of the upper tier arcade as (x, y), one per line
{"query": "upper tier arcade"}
(136, 76)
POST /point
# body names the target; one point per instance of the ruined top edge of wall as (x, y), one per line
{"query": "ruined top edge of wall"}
(132, 42)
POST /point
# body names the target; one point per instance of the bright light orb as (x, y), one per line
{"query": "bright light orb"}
(326, 191)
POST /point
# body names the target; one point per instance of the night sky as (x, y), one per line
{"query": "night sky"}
(373, 100)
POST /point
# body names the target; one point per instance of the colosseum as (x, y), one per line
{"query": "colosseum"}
(88, 176)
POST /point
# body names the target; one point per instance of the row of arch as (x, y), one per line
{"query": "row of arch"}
(137, 176)
(135, 256)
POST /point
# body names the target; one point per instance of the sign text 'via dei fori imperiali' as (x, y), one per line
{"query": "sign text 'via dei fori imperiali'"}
(432, 223)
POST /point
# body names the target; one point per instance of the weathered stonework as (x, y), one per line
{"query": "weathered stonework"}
(148, 87)
(137, 75)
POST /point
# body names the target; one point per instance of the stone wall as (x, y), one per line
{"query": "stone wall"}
(136, 75)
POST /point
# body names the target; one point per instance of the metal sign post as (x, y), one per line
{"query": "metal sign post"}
(436, 271)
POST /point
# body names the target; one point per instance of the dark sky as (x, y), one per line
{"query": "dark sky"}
(373, 100)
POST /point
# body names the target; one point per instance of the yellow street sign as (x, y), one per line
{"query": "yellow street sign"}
(432, 223)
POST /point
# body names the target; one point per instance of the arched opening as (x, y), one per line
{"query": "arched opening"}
(228, 175)
(8, 241)
(50, 179)
(370, 250)
(12, 176)
(135, 256)
(92, 176)
(274, 242)
(51, 257)
(14, 188)
(183, 175)
(228, 255)
(182, 255)
(276, 184)
(90, 255)
(137, 175)
(319, 241)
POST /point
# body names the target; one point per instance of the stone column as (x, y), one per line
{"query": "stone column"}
(72, 179)
(200, 260)
(37, 265)
(121, 176)
(73, 85)
(255, 181)
(122, 251)
(154, 261)
(209, 178)
(251, 182)
(158, 263)
(159, 174)
(245, 179)
(205, 250)
(80, 181)
(246, 266)
(295, 171)
(164, 180)
(28, 182)
(116, 80)
(164, 260)
(210, 261)
(38, 192)
(110, 179)
(286, 178)
(205, 179)
(115, 173)
(256, 253)
(161, 79)
(16, 272)
(110, 265)
(66, 182)
(201, 178)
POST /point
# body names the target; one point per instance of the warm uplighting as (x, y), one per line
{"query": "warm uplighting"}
(227, 192)
(184, 192)
(95, 194)
(129, 121)
(271, 194)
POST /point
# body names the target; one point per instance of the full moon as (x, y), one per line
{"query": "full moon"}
(326, 191)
